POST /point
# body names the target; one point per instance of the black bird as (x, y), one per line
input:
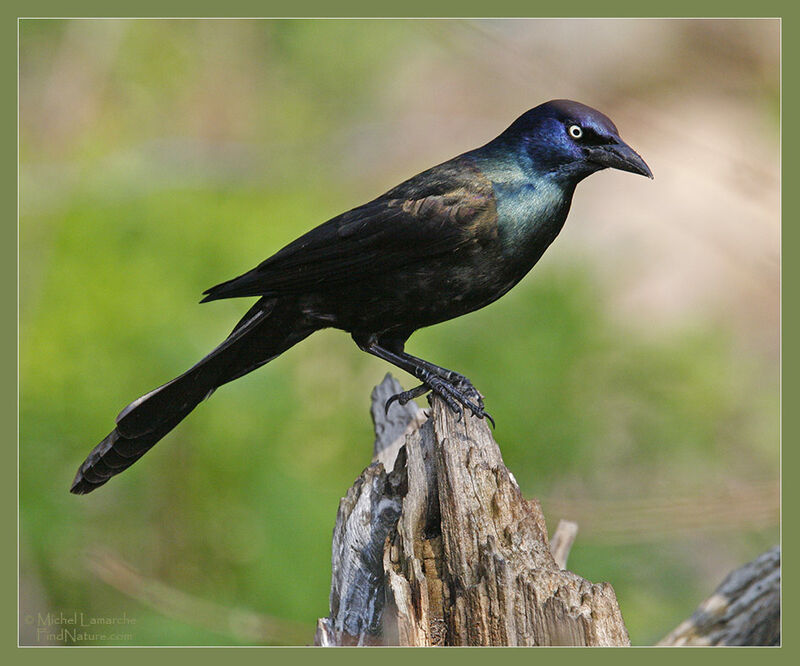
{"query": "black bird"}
(448, 241)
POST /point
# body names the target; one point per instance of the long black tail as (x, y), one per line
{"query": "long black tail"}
(267, 330)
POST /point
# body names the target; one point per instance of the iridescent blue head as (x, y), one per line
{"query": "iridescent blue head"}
(569, 141)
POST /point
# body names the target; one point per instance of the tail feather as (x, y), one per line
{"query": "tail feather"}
(267, 330)
(116, 453)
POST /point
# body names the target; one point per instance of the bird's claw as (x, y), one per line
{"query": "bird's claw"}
(406, 396)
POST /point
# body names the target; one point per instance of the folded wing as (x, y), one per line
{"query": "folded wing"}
(410, 223)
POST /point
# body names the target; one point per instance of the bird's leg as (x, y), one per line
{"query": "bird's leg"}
(443, 382)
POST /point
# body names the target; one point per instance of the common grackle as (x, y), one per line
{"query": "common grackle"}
(448, 241)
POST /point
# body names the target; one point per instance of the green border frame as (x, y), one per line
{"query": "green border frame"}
(409, 8)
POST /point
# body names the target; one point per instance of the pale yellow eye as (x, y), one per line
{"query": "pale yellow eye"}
(575, 131)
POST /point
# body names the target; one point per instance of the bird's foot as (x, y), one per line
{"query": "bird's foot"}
(455, 379)
(457, 394)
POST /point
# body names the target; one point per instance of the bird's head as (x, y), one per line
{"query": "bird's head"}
(571, 141)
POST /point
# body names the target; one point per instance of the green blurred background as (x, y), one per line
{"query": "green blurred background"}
(633, 375)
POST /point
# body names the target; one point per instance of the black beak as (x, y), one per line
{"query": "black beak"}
(620, 156)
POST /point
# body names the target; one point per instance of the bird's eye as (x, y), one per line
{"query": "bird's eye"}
(575, 131)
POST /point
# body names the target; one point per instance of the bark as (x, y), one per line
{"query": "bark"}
(744, 610)
(443, 549)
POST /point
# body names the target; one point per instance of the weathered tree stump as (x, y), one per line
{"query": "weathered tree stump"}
(434, 544)
(744, 610)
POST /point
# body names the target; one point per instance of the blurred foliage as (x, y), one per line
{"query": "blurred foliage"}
(162, 157)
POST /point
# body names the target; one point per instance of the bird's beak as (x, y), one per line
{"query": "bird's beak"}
(620, 156)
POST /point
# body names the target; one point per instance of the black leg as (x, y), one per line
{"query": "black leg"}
(455, 389)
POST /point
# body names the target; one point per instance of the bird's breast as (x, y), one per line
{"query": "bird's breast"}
(530, 216)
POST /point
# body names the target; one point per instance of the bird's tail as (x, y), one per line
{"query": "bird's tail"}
(267, 330)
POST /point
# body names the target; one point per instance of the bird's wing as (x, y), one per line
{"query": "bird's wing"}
(431, 214)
